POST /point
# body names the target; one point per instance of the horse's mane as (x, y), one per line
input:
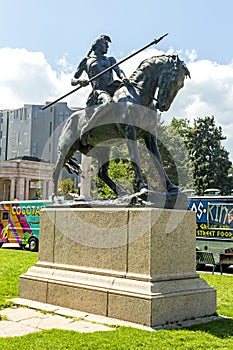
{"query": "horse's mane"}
(159, 61)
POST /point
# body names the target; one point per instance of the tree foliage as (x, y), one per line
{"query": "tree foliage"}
(174, 157)
(174, 153)
(192, 156)
(120, 170)
(210, 160)
(65, 186)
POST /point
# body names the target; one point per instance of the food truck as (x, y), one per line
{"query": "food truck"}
(20, 222)
(214, 224)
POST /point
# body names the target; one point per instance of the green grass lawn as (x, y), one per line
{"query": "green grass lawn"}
(12, 264)
(213, 335)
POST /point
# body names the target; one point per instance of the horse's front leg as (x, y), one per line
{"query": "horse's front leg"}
(131, 140)
(55, 175)
(64, 153)
(152, 146)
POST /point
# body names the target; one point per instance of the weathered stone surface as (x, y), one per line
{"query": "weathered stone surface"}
(134, 264)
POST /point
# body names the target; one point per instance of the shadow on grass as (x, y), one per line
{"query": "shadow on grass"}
(209, 269)
(11, 248)
(14, 247)
(222, 328)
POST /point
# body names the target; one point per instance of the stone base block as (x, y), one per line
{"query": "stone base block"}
(145, 274)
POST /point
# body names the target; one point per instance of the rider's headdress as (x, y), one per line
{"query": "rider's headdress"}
(97, 40)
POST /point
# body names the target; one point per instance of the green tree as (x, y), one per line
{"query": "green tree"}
(174, 156)
(120, 170)
(192, 156)
(65, 186)
(174, 152)
(210, 159)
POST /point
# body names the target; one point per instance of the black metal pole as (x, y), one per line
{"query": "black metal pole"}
(154, 42)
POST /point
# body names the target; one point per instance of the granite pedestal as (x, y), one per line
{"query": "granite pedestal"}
(134, 264)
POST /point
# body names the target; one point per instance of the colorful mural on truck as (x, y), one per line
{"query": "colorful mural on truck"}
(20, 222)
(214, 223)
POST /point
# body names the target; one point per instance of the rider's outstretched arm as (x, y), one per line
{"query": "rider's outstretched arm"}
(81, 68)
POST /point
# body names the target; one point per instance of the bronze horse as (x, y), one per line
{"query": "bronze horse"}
(132, 115)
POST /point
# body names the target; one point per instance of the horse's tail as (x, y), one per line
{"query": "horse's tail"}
(73, 167)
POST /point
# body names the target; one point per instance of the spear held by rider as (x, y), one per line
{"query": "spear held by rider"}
(154, 42)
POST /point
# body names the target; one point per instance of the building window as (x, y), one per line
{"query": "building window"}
(66, 115)
(34, 148)
(5, 215)
(34, 112)
(60, 117)
(50, 128)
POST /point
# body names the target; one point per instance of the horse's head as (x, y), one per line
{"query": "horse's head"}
(170, 81)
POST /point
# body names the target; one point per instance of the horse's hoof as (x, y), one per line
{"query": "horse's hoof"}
(143, 186)
(144, 190)
(56, 199)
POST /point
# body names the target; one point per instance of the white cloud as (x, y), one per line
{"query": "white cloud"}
(27, 77)
(209, 92)
(192, 55)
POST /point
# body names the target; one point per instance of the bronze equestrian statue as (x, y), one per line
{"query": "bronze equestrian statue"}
(127, 116)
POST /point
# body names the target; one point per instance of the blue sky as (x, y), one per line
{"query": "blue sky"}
(42, 41)
(69, 27)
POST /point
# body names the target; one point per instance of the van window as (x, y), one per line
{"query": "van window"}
(5, 215)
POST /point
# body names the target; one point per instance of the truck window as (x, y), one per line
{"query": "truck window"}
(5, 215)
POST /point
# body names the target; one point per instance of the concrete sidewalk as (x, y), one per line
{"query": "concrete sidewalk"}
(29, 316)
(23, 321)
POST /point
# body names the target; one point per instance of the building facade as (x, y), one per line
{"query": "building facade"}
(4, 127)
(30, 134)
(31, 131)
(22, 178)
